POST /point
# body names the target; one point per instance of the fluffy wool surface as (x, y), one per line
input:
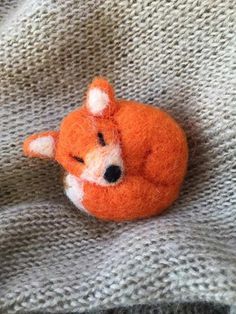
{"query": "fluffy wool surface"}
(178, 55)
(146, 145)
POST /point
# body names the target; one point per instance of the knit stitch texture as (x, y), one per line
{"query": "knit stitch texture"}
(179, 55)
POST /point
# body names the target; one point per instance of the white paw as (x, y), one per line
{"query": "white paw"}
(74, 191)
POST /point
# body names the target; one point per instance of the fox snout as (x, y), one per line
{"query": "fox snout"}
(112, 173)
(104, 165)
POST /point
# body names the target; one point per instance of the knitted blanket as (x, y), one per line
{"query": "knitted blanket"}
(176, 54)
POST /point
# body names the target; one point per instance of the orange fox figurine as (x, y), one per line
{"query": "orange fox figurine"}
(123, 160)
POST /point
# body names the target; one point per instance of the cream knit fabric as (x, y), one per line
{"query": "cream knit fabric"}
(177, 54)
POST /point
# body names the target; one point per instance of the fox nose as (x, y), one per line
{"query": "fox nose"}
(112, 173)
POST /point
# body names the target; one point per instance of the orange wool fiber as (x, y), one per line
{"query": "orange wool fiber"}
(123, 160)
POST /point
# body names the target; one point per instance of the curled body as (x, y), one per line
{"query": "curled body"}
(123, 160)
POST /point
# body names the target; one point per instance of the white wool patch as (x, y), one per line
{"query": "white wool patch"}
(74, 191)
(98, 160)
(44, 146)
(97, 101)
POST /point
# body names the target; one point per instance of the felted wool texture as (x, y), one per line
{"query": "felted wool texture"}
(179, 55)
(146, 144)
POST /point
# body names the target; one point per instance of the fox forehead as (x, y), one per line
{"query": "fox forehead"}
(80, 129)
(78, 120)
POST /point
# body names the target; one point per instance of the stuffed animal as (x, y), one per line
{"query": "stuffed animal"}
(123, 160)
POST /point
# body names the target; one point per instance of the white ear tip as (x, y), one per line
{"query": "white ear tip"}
(97, 101)
(44, 146)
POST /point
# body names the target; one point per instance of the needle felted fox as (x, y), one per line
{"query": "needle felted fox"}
(123, 160)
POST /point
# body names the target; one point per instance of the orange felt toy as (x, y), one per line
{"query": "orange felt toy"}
(123, 160)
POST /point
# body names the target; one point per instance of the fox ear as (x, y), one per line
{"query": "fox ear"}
(42, 145)
(100, 100)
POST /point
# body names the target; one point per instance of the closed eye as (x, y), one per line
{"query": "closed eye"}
(101, 139)
(79, 159)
